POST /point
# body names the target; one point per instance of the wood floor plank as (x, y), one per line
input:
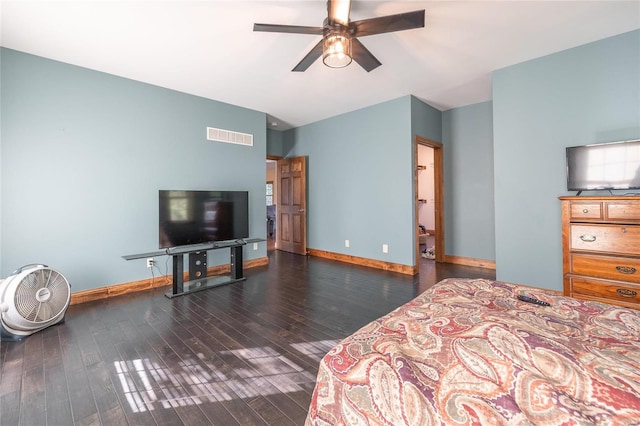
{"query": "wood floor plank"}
(78, 383)
(270, 413)
(144, 372)
(218, 414)
(57, 405)
(32, 401)
(11, 384)
(162, 381)
(10, 408)
(90, 420)
(109, 408)
(132, 405)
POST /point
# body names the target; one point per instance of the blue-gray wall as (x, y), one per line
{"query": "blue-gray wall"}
(83, 155)
(275, 140)
(467, 134)
(360, 178)
(426, 121)
(579, 96)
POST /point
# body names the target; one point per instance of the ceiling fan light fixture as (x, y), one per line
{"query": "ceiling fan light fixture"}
(340, 44)
(336, 50)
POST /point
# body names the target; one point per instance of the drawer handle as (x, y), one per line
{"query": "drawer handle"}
(626, 293)
(585, 211)
(626, 269)
(588, 238)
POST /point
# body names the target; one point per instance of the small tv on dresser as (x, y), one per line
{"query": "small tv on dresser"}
(605, 166)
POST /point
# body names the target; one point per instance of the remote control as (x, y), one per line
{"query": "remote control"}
(532, 300)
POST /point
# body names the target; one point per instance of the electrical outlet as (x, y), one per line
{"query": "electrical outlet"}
(150, 262)
(346, 243)
(385, 248)
(255, 246)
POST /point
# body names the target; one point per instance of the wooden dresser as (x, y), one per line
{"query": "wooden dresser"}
(601, 248)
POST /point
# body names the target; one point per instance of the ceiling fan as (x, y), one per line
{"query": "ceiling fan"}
(339, 44)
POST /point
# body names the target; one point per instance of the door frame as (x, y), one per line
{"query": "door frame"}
(438, 184)
(274, 158)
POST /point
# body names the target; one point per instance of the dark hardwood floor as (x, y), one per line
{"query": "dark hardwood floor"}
(242, 354)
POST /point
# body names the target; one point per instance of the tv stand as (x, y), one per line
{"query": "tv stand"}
(197, 255)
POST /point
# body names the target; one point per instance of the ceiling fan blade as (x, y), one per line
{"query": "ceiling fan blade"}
(387, 24)
(294, 29)
(362, 56)
(338, 11)
(310, 58)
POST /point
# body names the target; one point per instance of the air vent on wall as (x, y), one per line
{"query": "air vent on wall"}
(229, 136)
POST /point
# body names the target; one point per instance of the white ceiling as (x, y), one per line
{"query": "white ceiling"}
(209, 49)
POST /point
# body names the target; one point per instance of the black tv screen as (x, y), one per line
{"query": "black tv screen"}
(613, 165)
(196, 217)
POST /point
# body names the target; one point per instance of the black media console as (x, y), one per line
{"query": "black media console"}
(197, 255)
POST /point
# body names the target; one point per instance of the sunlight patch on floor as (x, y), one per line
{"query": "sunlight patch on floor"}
(256, 371)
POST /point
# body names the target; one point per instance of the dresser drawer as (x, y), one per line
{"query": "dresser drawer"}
(609, 267)
(585, 210)
(623, 211)
(626, 293)
(614, 239)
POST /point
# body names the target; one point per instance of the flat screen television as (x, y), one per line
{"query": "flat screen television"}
(197, 217)
(607, 166)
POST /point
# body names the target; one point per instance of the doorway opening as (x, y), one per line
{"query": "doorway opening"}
(271, 200)
(426, 203)
(429, 200)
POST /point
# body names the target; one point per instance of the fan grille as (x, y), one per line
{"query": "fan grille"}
(41, 295)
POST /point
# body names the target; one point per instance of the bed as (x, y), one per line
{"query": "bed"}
(468, 352)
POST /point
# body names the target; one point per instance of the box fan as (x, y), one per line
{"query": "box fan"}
(34, 297)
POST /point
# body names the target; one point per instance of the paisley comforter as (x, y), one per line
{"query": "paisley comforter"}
(468, 352)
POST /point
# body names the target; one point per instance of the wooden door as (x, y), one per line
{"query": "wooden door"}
(291, 208)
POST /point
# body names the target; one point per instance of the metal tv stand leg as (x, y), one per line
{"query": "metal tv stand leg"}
(198, 279)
